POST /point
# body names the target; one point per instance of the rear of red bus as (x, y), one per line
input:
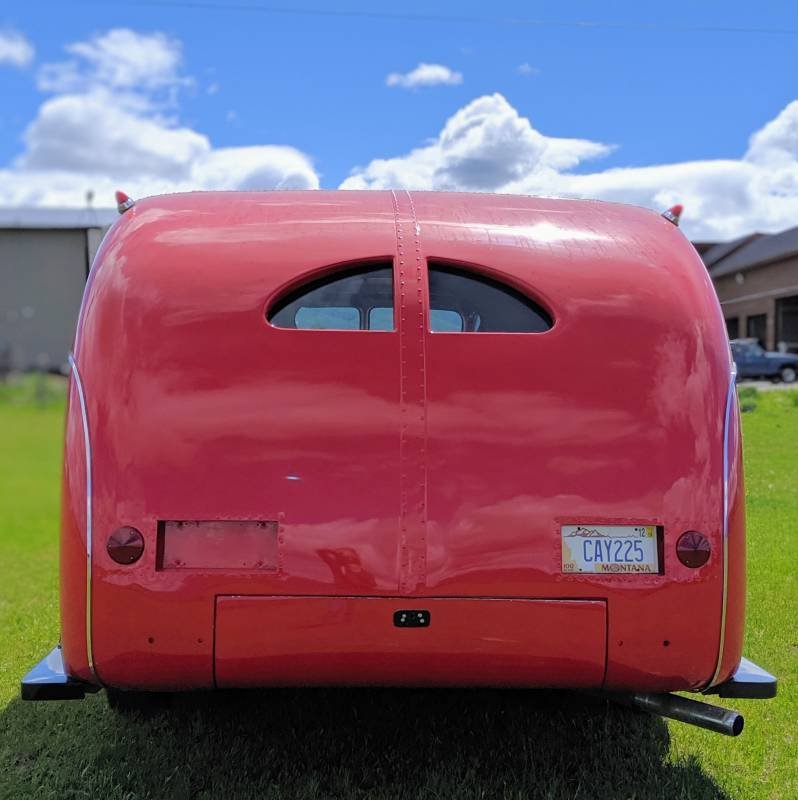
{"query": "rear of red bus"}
(340, 438)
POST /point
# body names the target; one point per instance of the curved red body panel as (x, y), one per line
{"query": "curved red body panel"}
(402, 465)
(73, 544)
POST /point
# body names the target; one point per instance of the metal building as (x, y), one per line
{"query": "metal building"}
(756, 278)
(45, 256)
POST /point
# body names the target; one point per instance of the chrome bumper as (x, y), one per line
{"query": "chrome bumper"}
(749, 682)
(48, 681)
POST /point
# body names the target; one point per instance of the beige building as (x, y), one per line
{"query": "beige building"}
(45, 256)
(756, 278)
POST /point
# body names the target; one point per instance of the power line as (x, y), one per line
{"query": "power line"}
(209, 5)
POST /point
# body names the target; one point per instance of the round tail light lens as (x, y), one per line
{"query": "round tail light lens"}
(693, 549)
(125, 545)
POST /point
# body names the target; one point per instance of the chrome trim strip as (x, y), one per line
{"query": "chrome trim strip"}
(87, 451)
(725, 536)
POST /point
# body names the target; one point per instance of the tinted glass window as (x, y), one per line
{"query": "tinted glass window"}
(358, 299)
(310, 318)
(381, 319)
(445, 319)
(467, 302)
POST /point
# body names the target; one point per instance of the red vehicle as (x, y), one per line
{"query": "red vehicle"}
(328, 438)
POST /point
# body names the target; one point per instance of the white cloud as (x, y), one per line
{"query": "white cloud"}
(15, 49)
(260, 167)
(272, 166)
(120, 59)
(483, 147)
(488, 146)
(528, 69)
(425, 75)
(95, 133)
(777, 142)
(113, 122)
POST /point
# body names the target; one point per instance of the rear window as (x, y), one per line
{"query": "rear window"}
(466, 302)
(358, 299)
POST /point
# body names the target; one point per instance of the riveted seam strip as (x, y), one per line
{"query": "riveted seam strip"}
(413, 478)
(421, 338)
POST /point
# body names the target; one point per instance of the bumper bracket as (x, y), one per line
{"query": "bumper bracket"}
(749, 681)
(48, 681)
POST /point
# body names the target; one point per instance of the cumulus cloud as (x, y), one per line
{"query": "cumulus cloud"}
(120, 59)
(776, 142)
(257, 167)
(15, 49)
(488, 146)
(112, 121)
(94, 132)
(425, 75)
(272, 166)
(485, 146)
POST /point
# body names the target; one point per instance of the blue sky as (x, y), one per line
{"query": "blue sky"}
(679, 91)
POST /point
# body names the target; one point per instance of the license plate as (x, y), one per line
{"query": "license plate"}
(615, 549)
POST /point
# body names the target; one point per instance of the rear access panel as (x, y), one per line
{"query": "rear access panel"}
(281, 641)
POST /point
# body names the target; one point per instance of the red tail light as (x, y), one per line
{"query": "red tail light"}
(693, 549)
(125, 545)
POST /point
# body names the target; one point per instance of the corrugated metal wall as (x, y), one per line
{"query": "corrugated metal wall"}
(42, 275)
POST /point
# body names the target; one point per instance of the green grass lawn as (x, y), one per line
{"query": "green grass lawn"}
(384, 743)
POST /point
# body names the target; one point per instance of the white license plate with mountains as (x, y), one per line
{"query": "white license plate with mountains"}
(616, 549)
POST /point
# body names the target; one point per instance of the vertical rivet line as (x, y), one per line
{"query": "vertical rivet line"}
(403, 396)
(280, 543)
(422, 433)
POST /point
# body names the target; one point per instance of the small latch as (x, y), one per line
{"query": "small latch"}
(414, 618)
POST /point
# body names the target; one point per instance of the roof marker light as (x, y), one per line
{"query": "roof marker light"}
(123, 202)
(674, 213)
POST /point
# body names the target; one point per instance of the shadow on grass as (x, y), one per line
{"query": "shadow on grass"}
(360, 743)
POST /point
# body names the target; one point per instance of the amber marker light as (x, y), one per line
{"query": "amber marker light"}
(125, 545)
(693, 549)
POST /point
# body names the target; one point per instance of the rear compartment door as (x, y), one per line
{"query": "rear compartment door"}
(272, 641)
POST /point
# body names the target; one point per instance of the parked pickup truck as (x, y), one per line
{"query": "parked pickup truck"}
(755, 362)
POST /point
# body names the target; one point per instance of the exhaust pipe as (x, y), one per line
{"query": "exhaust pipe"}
(682, 709)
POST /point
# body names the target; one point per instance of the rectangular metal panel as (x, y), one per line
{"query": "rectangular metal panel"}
(218, 544)
(42, 275)
(268, 641)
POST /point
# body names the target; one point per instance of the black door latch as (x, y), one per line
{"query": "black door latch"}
(415, 618)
